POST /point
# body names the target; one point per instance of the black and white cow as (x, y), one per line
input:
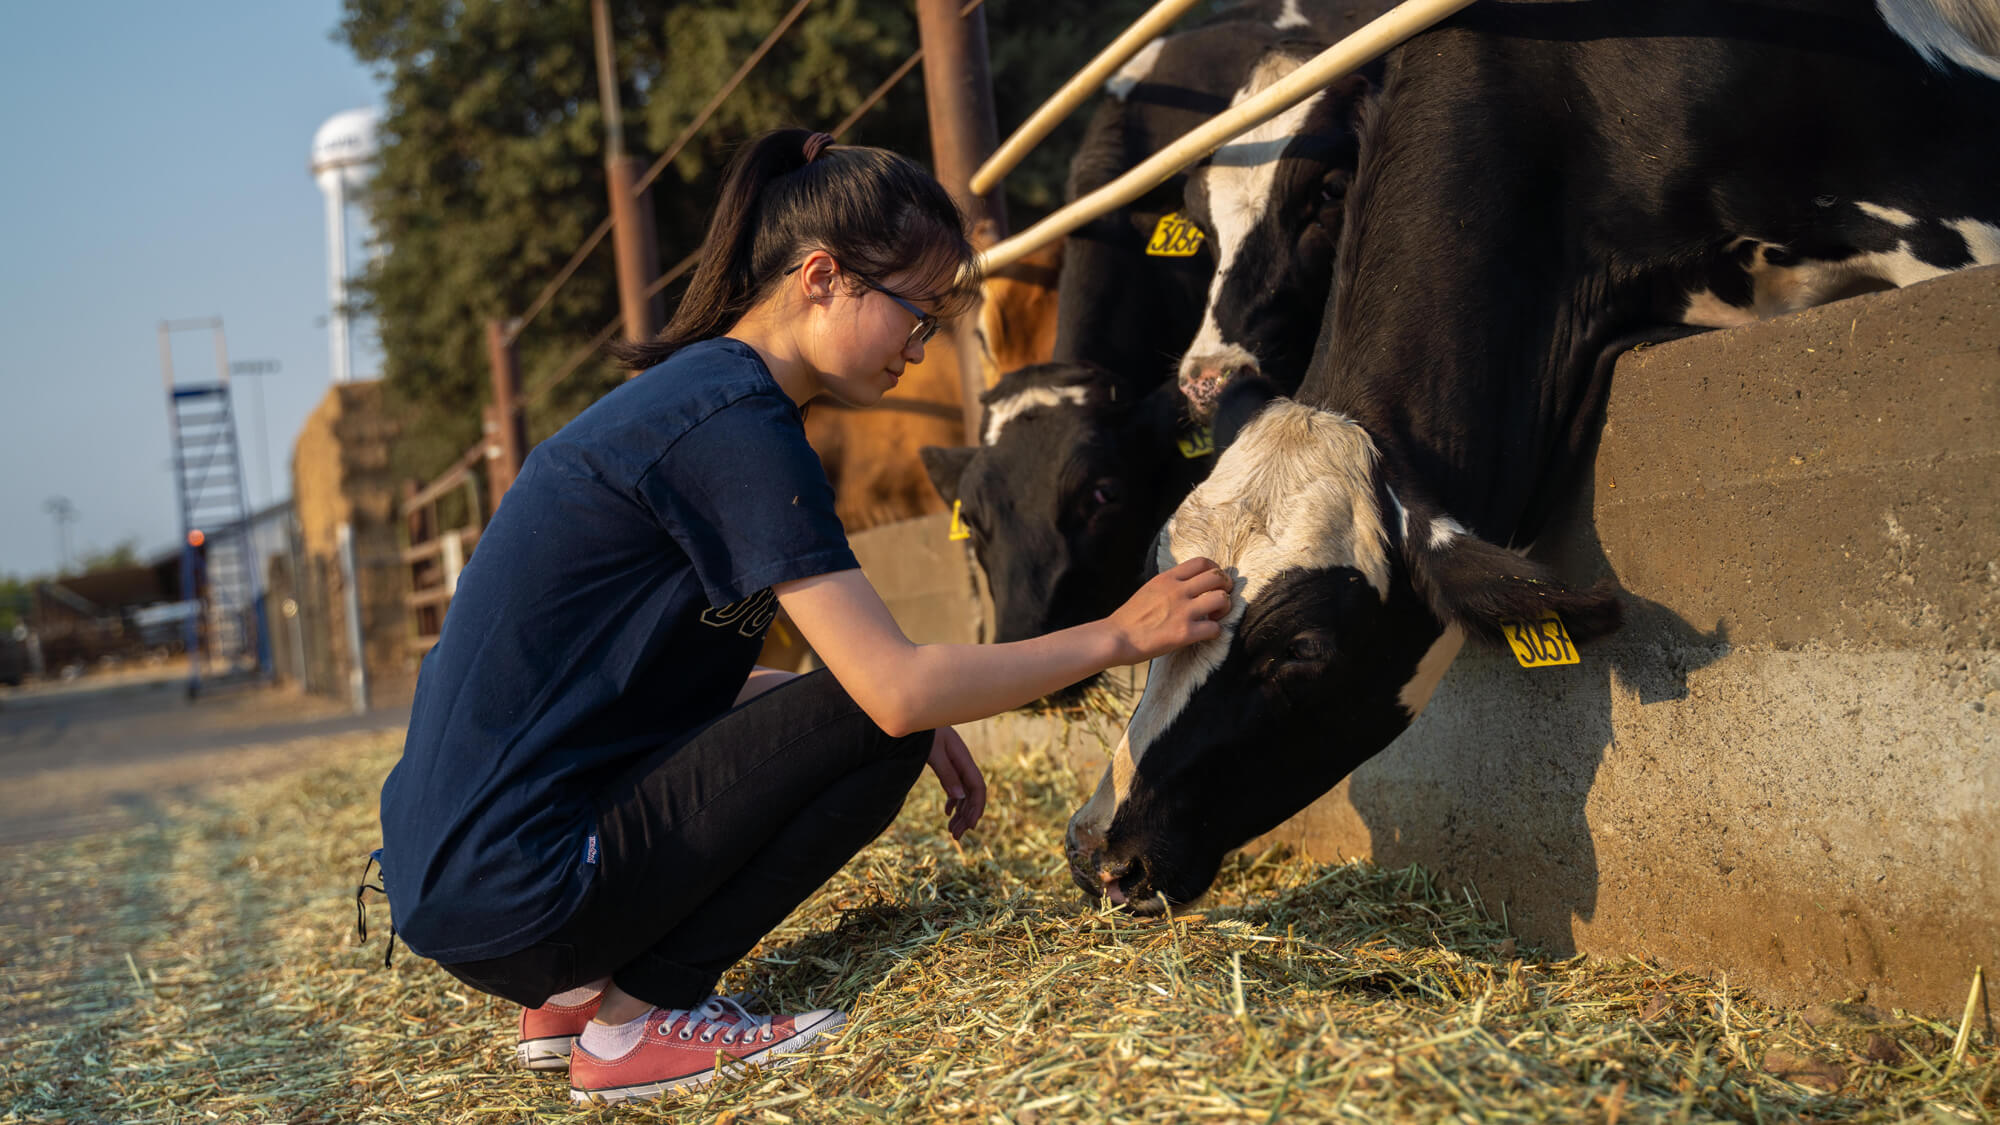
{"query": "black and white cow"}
(1117, 306)
(1271, 203)
(1067, 467)
(1539, 181)
(1064, 540)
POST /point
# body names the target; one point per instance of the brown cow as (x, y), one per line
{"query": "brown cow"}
(1017, 322)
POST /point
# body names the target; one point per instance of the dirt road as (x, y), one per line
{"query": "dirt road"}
(98, 753)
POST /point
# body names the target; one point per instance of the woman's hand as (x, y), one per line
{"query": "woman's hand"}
(964, 786)
(1177, 607)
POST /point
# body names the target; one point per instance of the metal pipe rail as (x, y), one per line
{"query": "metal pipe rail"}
(449, 479)
(1076, 91)
(1350, 54)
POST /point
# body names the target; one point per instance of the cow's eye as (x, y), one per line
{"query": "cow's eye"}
(1106, 492)
(1308, 648)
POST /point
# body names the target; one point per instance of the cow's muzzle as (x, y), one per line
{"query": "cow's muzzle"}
(1203, 378)
(1125, 880)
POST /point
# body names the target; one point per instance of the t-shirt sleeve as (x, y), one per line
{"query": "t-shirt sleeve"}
(745, 495)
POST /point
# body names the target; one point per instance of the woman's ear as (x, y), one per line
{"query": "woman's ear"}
(817, 275)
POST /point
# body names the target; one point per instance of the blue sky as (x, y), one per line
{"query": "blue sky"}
(154, 168)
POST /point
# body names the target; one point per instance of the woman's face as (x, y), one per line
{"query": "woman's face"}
(865, 339)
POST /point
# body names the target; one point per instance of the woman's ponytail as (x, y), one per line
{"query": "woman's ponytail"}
(792, 191)
(724, 285)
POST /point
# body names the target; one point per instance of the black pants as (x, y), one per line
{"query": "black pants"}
(710, 841)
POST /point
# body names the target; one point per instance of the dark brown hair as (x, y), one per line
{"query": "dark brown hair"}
(877, 213)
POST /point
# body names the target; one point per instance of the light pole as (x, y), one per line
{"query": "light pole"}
(259, 367)
(65, 514)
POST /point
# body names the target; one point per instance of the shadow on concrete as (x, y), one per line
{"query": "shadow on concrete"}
(1490, 787)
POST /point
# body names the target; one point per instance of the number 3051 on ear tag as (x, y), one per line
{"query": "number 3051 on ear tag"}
(958, 528)
(1540, 643)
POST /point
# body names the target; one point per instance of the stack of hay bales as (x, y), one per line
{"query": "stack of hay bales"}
(341, 475)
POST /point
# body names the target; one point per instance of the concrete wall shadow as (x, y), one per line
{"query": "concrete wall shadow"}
(1489, 787)
(1783, 768)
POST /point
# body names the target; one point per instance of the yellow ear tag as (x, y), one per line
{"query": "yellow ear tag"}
(1200, 443)
(1175, 237)
(958, 528)
(1541, 643)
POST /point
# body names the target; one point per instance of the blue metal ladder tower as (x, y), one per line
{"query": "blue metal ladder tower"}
(218, 554)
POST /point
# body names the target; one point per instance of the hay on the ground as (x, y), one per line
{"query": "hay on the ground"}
(204, 969)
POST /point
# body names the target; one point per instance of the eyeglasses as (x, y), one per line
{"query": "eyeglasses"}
(920, 334)
(926, 326)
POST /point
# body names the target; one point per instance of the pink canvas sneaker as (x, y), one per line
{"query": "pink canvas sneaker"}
(549, 1032)
(684, 1049)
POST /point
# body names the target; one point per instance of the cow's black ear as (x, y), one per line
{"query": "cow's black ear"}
(1240, 401)
(1480, 585)
(946, 466)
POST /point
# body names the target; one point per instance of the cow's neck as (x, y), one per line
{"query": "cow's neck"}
(1464, 333)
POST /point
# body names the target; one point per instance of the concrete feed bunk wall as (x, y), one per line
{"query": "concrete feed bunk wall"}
(1786, 768)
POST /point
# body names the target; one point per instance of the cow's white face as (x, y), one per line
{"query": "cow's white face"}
(1271, 203)
(1327, 653)
(1294, 493)
(1295, 513)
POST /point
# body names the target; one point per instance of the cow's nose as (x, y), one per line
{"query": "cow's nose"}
(1109, 877)
(1203, 380)
(1098, 875)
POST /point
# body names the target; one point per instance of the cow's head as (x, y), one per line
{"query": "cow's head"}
(1272, 204)
(1065, 492)
(1350, 603)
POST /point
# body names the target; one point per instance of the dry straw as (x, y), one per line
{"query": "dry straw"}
(203, 969)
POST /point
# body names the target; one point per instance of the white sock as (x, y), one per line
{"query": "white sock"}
(577, 996)
(610, 1041)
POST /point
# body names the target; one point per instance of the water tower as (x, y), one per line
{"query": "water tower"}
(343, 152)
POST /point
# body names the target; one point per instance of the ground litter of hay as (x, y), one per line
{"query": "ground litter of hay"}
(205, 969)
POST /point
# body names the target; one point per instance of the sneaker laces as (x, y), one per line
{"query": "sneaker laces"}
(719, 1012)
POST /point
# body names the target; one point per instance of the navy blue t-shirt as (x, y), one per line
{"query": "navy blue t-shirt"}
(618, 599)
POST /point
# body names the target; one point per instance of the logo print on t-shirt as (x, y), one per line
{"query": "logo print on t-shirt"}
(750, 616)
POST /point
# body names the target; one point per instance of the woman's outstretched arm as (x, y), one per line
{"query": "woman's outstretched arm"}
(909, 687)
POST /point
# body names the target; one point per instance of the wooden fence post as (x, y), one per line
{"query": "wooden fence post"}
(506, 430)
(636, 245)
(633, 239)
(958, 88)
